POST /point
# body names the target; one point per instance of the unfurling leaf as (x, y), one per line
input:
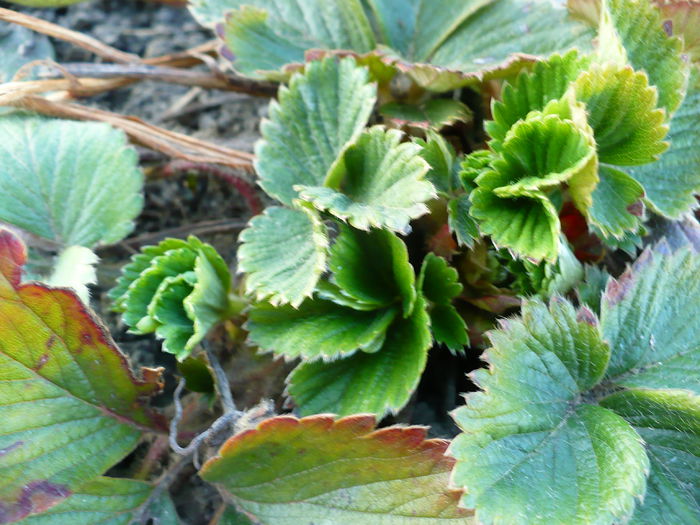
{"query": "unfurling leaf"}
(511, 201)
(377, 183)
(177, 290)
(289, 471)
(70, 406)
(76, 183)
(283, 254)
(321, 112)
(373, 268)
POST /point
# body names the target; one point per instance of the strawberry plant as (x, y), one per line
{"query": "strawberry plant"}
(496, 198)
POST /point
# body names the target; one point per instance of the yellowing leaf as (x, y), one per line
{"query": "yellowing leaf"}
(291, 471)
(69, 404)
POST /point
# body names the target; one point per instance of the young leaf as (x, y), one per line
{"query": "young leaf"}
(651, 317)
(635, 26)
(70, 406)
(378, 183)
(178, 289)
(461, 222)
(321, 112)
(438, 281)
(672, 182)
(529, 426)
(283, 253)
(317, 328)
(532, 91)
(621, 107)
(669, 423)
(373, 268)
(265, 38)
(440, 156)
(379, 383)
(76, 183)
(439, 285)
(510, 201)
(352, 474)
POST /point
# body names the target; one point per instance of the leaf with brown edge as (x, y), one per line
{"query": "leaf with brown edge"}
(69, 404)
(319, 469)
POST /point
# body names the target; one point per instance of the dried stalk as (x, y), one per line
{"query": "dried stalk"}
(173, 144)
(172, 75)
(47, 28)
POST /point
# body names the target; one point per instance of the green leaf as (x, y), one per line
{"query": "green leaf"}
(71, 407)
(527, 225)
(617, 203)
(283, 253)
(103, 501)
(621, 106)
(590, 291)
(635, 27)
(547, 279)
(379, 383)
(439, 284)
(438, 281)
(672, 182)
(440, 156)
(306, 132)
(415, 29)
(532, 91)
(448, 327)
(651, 317)
(529, 427)
(265, 38)
(352, 474)
(373, 268)
(669, 423)
(461, 222)
(178, 289)
(379, 182)
(20, 46)
(317, 329)
(565, 152)
(76, 183)
(436, 113)
(496, 39)
(510, 203)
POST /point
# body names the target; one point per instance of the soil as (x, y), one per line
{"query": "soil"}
(209, 207)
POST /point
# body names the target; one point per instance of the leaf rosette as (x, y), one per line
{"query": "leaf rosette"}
(178, 290)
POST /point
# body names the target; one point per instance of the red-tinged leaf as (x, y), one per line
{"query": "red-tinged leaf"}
(69, 404)
(319, 469)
